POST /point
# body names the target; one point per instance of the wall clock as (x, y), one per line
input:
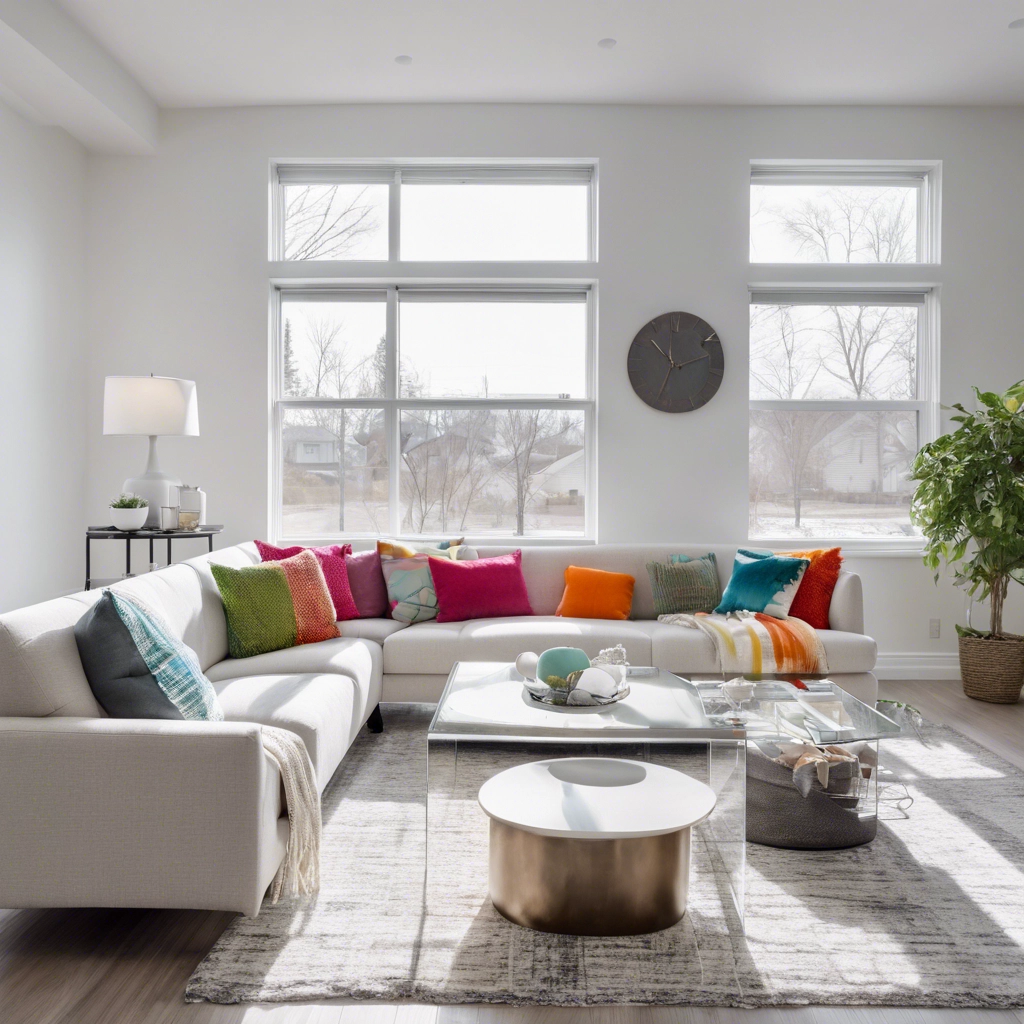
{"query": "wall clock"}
(676, 363)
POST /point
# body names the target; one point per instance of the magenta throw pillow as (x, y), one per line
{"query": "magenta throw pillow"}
(332, 561)
(366, 578)
(485, 588)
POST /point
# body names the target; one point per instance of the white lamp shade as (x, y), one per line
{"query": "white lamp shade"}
(150, 405)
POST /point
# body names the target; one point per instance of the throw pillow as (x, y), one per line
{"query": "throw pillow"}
(366, 581)
(410, 588)
(275, 605)
(814, 598)
(763, 582)
(482, 589)
(685, 586)
(332, 561)
(596, 594)
(137, 668)
(456, 550)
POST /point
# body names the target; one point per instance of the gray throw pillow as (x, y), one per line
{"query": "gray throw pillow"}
(685, 587)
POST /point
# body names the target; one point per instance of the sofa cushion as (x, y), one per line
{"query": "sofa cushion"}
(326, 710)
(371, 629)
(434, 647)
(40, 671)
(848, 652)
(346, 656)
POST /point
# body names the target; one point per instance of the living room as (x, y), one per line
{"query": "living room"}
(610, 286)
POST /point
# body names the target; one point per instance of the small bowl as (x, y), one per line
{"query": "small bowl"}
(129, 519)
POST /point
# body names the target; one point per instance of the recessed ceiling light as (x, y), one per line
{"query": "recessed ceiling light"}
(1019, 23)
(607, 44)
(403, 58)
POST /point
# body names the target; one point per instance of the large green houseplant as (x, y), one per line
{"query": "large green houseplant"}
(969, 504)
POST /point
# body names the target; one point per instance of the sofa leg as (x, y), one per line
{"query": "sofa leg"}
(376, 720)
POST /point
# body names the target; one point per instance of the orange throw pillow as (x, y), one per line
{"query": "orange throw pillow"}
(596, 594)
(815, 593)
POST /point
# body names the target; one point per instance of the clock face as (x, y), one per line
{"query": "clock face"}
(676, 363)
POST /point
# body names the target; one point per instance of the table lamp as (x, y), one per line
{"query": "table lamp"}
(151, 406)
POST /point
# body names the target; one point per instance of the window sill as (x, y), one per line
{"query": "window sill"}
(853, 547)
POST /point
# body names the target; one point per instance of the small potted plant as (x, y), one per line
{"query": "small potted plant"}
(969, 504)
(129, 512)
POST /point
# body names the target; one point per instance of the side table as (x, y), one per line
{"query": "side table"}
(110, 533)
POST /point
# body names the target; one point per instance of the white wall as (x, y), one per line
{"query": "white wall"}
(178, 285)
(42, 380)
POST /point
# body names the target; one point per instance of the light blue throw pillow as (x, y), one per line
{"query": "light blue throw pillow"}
(172, 664)
(763, 582)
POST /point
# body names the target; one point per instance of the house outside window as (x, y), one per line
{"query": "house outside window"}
(463, 404)
(843, 366)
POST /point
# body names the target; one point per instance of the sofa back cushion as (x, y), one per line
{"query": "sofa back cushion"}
(40, 671)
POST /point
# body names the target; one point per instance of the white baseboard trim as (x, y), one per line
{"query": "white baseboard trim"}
(918, 665)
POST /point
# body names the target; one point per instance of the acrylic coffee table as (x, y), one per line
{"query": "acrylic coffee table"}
(486, 722)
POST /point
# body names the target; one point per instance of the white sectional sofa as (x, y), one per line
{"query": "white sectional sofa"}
(96, 811)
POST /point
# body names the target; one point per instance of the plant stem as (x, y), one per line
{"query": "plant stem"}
(999, 585)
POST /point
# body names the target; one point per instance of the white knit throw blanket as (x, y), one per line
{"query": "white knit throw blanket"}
(299, 873)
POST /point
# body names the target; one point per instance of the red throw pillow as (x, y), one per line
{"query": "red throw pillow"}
(332, 561)
(483, 588)
(814, 596)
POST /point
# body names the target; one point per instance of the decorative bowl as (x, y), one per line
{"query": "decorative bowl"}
(129, 519)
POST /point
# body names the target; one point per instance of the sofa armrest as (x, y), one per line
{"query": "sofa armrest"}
(846, 612)
(135, 812)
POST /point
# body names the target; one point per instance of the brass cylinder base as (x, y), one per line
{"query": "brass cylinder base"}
(589, 886)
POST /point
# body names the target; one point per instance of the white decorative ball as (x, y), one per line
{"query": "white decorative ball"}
(598, 681)
(526, 664)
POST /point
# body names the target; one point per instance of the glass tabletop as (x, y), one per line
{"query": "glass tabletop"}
(816, 711)
(488, 700)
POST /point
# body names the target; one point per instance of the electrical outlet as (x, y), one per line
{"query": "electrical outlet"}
(934, 628)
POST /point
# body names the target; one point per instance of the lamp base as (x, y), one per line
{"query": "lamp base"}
(159, 489)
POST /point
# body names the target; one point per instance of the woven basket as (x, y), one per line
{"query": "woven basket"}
(992, 669)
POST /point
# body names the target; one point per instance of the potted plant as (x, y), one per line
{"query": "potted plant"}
(969, 504)
(128, 512)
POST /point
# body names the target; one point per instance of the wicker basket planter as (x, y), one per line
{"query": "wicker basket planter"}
(992, 668)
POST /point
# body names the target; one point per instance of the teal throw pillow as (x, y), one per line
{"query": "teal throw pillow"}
(763, 582)
(687, 585)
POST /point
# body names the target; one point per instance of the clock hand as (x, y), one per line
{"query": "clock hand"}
(695, 359)
(659, 348)
(665, 381)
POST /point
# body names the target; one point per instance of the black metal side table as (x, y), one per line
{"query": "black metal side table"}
(111, 533)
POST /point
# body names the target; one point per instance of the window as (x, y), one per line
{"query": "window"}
(843, 376)
(412, 409)
(867, 213)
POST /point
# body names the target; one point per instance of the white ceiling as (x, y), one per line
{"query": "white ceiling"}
(245, 52)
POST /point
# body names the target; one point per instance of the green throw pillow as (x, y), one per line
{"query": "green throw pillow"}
(687, 585)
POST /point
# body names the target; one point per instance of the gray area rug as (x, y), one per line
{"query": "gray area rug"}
(930, 914)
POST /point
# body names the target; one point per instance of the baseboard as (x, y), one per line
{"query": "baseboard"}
(918, 665)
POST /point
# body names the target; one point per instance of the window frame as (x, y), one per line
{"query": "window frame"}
(817, 283)
(923, 175)
(393, 405)
(394, 174)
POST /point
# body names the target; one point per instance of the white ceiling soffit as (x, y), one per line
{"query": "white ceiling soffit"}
(247, 52)
(54, 73)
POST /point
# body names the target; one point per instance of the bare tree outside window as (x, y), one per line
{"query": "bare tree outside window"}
(335, 222)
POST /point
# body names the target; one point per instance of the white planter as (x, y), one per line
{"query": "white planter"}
(129, 518)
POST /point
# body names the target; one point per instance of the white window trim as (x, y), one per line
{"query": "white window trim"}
(393, 405)
(927, 405)
(282, 172)
(924, 175)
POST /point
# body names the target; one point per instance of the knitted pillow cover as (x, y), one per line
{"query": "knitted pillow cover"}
(275, 605)
(687, 586)
(814, 598)
(137, 668)
(763, 582)
(332, 561)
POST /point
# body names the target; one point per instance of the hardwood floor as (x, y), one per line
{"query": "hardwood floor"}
(130, 967)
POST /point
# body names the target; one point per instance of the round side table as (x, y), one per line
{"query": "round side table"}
(592, 845)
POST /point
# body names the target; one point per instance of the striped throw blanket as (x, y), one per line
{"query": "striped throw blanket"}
(753, 644)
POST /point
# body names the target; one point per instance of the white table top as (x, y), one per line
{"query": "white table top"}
(596, 798)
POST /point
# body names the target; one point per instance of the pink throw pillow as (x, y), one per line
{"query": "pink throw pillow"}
(332, 561)
(484, 588)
